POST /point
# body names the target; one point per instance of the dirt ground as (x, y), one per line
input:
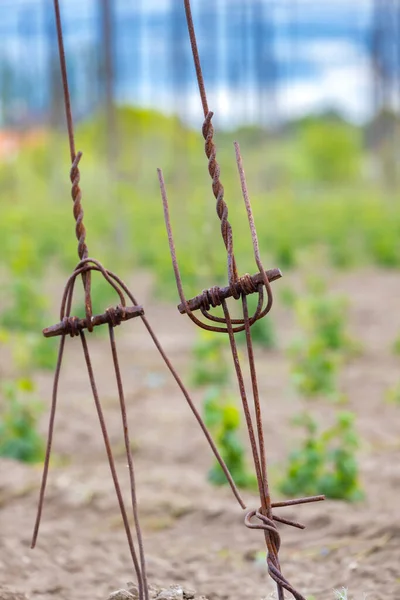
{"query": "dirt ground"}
(194, 533)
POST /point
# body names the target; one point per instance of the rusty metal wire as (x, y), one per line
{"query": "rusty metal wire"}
(113, 316)
(75, 159)
(211, 153)
(239, 287)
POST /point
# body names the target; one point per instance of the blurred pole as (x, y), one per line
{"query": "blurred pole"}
(265, 65)
(242, 51)
(56, 112)
(111, 126)
(178, 57)
(260, 71)
(249, 56)
(108, 83)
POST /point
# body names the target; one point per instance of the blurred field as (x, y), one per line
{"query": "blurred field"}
(314, 189)
(327, 208)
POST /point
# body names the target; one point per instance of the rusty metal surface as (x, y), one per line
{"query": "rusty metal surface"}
(114, 316)
(214, 296)
(238, 288)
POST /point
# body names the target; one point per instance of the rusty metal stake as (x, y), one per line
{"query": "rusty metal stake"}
(113, 316)
(238, 288)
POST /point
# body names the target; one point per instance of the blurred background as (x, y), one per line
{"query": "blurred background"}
(311, 90)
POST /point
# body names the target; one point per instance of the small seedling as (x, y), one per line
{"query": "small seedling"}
(324, 316)
(341, 594)
(325, 463)
(210, 363)
(19, 438)
(222, 417)
(317, 355)
(393, 394)
(314, 368)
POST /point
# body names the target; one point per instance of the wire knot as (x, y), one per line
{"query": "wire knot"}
(266, 524)
(116, 315)
(211, 297)
(71, 326)
(247, 285)
(273, 544)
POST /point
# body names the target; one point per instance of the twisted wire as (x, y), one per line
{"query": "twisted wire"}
(267, 525)
(214, 297)
(76, 194)
(75, 158)
(71, 326)
(218, 191)
(210, 149)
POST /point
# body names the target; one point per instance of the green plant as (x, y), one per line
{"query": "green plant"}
(19, 438)
(210, 364)
(222, 417)
(393, 394)
(31, 349)
(317, 355)
(341, 594)
(396, 346)
(324, 316)
(314, 369)
(26, 310)
(287, 296)
(333, 149)
(325, 462)
(262, 334)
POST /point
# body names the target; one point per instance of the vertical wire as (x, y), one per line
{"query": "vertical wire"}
(112, 464)
(49, 442)
(129, 458)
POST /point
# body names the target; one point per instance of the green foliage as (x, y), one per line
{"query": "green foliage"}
(356, 224)
(325, 462)
(333, 149)
(19, 438)
(393, 394)
(314, 368)
(396, 346)
(210, 364)
(287, 296)
(317, 355)
(222, 417)
(324, 316)
(26, 307)
(30, 350)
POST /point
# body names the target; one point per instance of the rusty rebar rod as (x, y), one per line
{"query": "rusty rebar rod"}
(75, 175)
(239, 287)
(226, 292)
(74, 325)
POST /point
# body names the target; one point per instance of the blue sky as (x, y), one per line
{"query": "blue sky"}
(320, 48)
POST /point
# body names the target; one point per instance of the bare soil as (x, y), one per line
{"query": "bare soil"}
(194, 533)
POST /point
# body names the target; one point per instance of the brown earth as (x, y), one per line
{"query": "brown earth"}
(194, 533)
